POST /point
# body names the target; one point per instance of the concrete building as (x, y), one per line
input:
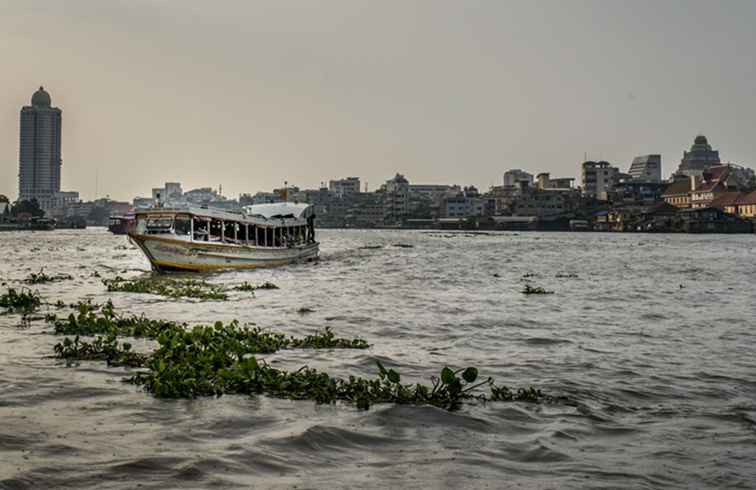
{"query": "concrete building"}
(701, 157)
(435, 192)
(544, 181)
(396, 200)
(343, 187)
(466, 204)
(646, 168)
(173, 191)
(39, 151)
(514, 177)
(598, 179)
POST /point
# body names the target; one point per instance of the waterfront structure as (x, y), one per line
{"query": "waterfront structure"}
(598, 179)
(515, 178)
(396, 199)
(646, 168)
(698, 159)
(677, 193)
(343, 187)
(545, 202)
(466, 204)
(39, 152)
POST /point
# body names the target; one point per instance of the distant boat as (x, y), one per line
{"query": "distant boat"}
(201, 239)
(120, 225)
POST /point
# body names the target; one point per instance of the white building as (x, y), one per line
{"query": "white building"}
(343, 187)
(646, 168)
(598, 179)
(514, 178)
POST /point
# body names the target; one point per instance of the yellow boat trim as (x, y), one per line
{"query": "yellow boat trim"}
(203, 267)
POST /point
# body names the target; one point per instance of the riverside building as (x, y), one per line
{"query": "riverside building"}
(39, 152)
(646, 168)
(700, 158)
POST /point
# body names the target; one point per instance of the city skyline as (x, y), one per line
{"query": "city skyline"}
(475, 98)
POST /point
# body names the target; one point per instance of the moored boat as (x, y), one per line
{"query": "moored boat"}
(201, 239)
(120, 225)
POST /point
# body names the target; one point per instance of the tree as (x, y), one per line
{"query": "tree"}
(31, 207)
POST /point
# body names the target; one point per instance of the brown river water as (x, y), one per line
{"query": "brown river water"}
(652, 338)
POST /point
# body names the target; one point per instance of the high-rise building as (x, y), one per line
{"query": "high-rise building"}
(646, 168)
(39, 151)
(700, 158)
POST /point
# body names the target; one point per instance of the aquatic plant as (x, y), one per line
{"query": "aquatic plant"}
(105, 348)
(24, 300)
(535, 290)
(246, 286)
(41, 277)
(86, 321)
(172, 288)
(222, 359)
(403, 245)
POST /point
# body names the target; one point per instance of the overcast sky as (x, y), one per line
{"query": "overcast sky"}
(247, 94)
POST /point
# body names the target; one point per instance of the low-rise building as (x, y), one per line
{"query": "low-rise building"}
(598, 179)
(677, 193)
(516, 178)
(343, 187)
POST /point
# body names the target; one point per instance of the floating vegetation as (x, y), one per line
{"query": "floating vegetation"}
(529, 275)
(22, 301)
(570, 275)
(41, 277)
(305, 310)
(207, 362)
(86, 321)
(221, 359)
(535, 290)
(403, 245)
(101, 349)
(370, 247)
(246, 286)
(267, 285)
(172, 288)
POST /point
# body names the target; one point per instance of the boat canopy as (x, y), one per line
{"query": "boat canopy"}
(280, 210)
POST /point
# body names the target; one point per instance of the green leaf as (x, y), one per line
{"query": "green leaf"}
(447, 376)
(381, 369)
(393, 376)
(470, 374)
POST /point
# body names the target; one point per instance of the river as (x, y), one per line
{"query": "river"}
(650, 337)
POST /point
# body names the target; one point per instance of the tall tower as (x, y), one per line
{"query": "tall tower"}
(39, 151)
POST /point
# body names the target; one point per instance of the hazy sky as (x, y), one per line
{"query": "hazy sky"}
(248, 94)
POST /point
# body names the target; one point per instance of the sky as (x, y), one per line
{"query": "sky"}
(249, 94)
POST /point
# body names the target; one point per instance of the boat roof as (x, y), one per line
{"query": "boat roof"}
(258, 213)
(279, 210)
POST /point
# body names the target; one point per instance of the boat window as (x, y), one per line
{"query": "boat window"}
(159, 225)
(216, 229)
(182, 226)
(201, 232)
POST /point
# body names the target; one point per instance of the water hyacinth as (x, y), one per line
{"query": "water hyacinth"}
(23, 301)
(172, 288)
(535, 290)
(41, 277)
(222, 359)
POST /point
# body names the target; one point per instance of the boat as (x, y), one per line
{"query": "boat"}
(120, 225)
(206, 239)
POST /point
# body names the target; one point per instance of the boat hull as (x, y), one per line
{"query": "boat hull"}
(166, 254)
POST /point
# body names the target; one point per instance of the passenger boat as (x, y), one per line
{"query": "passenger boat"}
(120, 225)
(202, 239)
